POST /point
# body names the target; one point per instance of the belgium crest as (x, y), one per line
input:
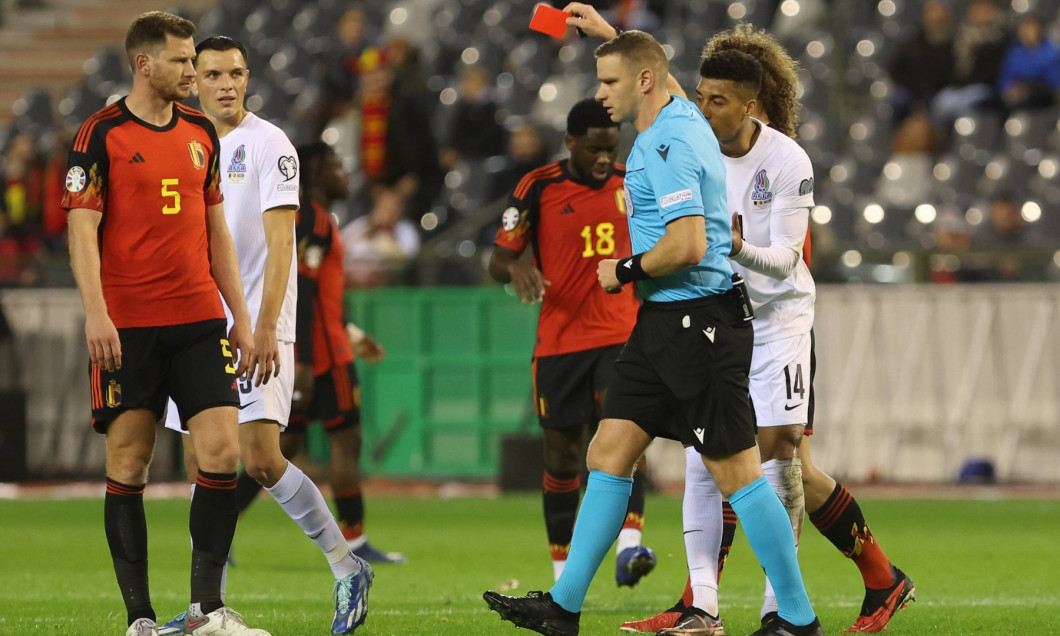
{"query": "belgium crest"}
(113, 394)
(198, 155)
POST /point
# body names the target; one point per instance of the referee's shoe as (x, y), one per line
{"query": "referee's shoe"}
(536, 611)
(774, 625)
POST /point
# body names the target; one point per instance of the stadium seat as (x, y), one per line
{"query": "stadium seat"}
(759, 12)
(1029, 130)
(107, 65)
(267, 100)
(36, 111)
(79, 103)
(710, 15)
(979, 131)
(264, 23)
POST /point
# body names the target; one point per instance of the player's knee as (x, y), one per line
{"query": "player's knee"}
(599, 458)
(222, 457)
(564, 459)
(347, 440)
(264, 467)
(129, 464)
(779, 442)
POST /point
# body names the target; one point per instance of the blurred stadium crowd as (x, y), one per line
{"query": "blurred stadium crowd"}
(932, 126)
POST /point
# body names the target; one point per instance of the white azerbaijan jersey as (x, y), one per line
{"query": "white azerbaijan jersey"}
(771, 187)
(259, 171)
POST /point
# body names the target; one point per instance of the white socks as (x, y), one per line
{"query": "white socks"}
(785, 476)
(702, 516)
(301, 500)
(557, 568)
(627, 538)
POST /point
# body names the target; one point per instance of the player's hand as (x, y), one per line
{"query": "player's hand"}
(605, 273)
(589, 21)
(737, 234)
(528, 281)
(369, 350)
(104, 346)
(241, 339)
(268, 355)
(303, 388)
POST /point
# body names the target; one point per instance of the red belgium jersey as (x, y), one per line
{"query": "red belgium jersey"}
(320, 261)
(152, 185)
(571, 225)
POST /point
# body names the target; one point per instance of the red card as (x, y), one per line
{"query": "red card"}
(549, 21)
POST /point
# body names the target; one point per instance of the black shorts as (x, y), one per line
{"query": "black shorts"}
(683, 375)
(567, 386)
(336, 401)
(192, 363)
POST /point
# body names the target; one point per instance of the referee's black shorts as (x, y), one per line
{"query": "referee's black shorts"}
(683, 375)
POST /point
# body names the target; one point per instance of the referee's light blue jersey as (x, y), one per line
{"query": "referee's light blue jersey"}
(675, 169)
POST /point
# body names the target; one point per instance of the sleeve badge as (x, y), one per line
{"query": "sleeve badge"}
(510, 219)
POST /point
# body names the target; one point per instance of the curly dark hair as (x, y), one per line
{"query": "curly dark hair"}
(741, 68)
(779, 96)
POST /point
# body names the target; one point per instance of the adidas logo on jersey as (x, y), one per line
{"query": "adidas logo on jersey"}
(138, 158)
(568, 210)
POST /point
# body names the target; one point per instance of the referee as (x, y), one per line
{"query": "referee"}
(683, 374)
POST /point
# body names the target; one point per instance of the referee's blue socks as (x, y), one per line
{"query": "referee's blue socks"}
(599, 520)
(768, 530)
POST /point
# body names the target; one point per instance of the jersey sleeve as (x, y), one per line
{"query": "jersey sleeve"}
(277, 172)
(794, 186)
(211, 188)
(787, 234)
(87, 170)
(675, 174)
(518, 220)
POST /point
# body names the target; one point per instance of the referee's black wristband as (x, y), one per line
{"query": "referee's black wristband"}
(629, 269)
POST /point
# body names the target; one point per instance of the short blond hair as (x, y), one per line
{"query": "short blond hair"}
(639, 49)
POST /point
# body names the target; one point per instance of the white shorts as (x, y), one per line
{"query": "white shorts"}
(780, 381)
(270, 401)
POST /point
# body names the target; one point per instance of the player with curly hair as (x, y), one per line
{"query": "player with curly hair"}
(778, 100)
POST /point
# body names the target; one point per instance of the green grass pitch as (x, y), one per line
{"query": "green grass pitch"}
(981, 567)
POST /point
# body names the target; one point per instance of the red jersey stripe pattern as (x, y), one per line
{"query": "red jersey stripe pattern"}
(571, 225)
